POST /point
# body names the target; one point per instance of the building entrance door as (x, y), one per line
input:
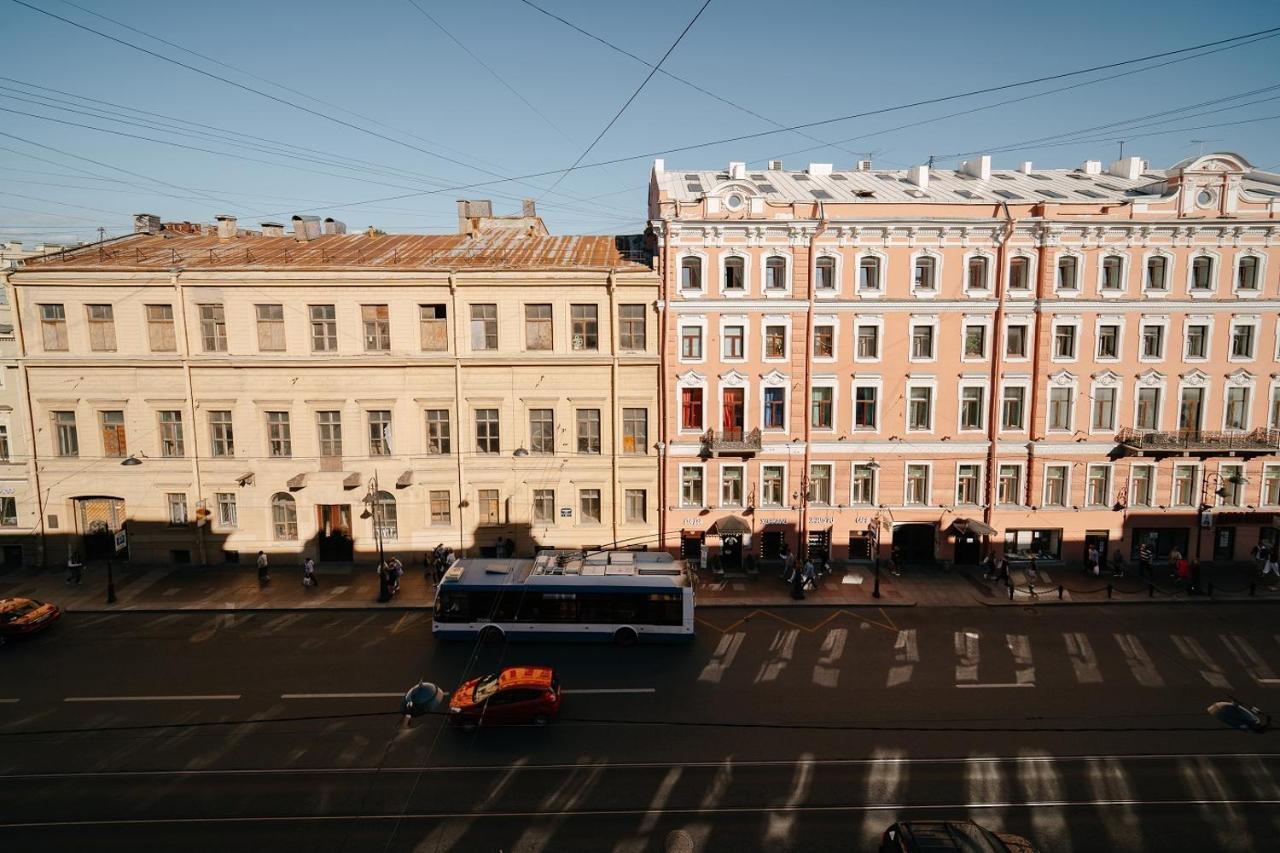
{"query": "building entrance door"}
(734, 416)
(1099, 540)
(1224, 543)
(100, 518)
(968, 549)
(771, 544)
(916, 542)
(333, 526)
(731, 553)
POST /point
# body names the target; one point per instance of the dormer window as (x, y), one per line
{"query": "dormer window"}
(691, 274)
(734, 201)
(825, 273)
(775, 273)
(734, 274)
(925, 273)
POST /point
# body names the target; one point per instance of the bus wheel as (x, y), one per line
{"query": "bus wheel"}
(625, 636)
(490, 634)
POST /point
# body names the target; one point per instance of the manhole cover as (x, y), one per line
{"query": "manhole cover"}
(679, 841)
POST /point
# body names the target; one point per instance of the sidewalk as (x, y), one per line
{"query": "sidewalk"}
(169, 588)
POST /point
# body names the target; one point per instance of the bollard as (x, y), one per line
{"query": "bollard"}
(1108, 590)
(1151, 590)
(1011, 592)
(1059, 592)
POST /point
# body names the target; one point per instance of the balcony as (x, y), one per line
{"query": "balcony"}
(1191, 442)
(731, 442)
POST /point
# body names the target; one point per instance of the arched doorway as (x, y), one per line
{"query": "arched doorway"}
(99, 518)
(915, 541)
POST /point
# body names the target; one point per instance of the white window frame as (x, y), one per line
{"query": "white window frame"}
(1205, 402)
(1261, 277)
(1215, 271)
(680, 258)
(1032, 274)
(1262, 485)
(1158, 293)
(833, 321)
(866, 380)
(1111, 484)
(1107, 379)
(1060, 322)
(776, 379)
(875, 483)
(1155, 484)
(837, 273)
(691, 379)
(1027, 321)
(1237, 322)
(1188, 321)
(1062, 379)
(989, 278)
(1108, 320)
(983, 382)
(786, 473)
(746, 274)
(1020, 498)
(982, 482)
(1273, 406)
(858, 258)
(1068, 293)
(869, 320)
(976, 320)
(775, 320)
(906, 482)
(1015, 382)
(720, 494)
(1066, 485)
(744, 322)
(926, 293)
(913, 382)
(1196, 482)
(832, 382)
(1150, 379)
(1239, 379)
(1243, 470)
(1105, 252)
(686, 321)
(915, 321)
(1153, 320)
(680, 485)
(788, 258)
(831, 469)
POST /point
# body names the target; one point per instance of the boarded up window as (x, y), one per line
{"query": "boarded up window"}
(160, 328)
(270, 328)
(538, 333)
(434, 328)
(102, 328)
(113, 441)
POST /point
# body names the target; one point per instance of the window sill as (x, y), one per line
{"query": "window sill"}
(1112, 294)
(734, 294)
(1155, 294)
(1067, 294)
(871, 294)
(925, 294)
(1247, 294)
(1201, 293)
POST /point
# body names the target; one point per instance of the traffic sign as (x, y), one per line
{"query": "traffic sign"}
(122, 540)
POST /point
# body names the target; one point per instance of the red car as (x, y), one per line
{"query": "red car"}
(518, 695)
(21, 616)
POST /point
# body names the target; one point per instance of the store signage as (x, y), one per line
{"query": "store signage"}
(1243, 518)
(566, 512)
(822, 519)
(693, 522)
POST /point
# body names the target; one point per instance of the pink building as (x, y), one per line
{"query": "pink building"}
(1034, 359)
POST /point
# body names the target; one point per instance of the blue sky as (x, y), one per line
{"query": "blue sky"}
(437, 116)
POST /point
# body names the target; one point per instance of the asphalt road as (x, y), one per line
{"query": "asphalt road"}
(790, 729)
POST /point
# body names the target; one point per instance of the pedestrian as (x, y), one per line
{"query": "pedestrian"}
(1271, 566)
(1144, 560)
(1092, 560)
(1117, 564)
(1032, 577)
(75, 568)
(1182, 569)
(1261, 554)
(309, 572)
(264, 576)
(1000, 568)
(895, 561)
(397, 571)
(384, 582)
(797, 585)
(788, 564)
(988, 567)
(1175, 557)
(810, 575)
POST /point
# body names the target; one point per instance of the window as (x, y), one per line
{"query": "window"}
(1104, 409)
(1009, 485)
(588, 429)
(1012, 405)
(691, 408)
(868, 342)
(734, 274)
(691, 486)
(171, 438)
(1271, 485)
(1242, 341)
(968, 483)
(1148, 415)
(825, 272)
(920, 408)
(4, 443)
(1015, 340)
(585, 320)
(102, 328)
(1152, 341)
(1202, 273)
(864, 407)
(484, 327)
(1157, 273)
(820, 477)
(775, 341)
(975, 340)
(8, 512)
(589, 505)
(441, 509)
(279, 435)
(222, 437)
(1197, 341)
(542, 431)
(487, 506)
(544, 506)
(731, 485)
(1060, 404)
(324, 328)
(922, 342)
(775, 273)
(1041, 544)
(177, 502)
(631, 327)
(113, 438)
(1055, 485)
(824, 341)
(53, 326)
(1019, 274)
(635, 431)
(160, 332)
(329, 432)
(270, 327)
(869, 274)
(438, 432)
(731, 345)
(65, 433)
(1273, 421)
(377, 327)
(821, 404)
(972, 409)
(284, 517)
(1237, 414)
(1142, 492)
(1190, 407)
(1068, 273)
(775, 408)
(226, 509)
(635, 506)
(917, 491)
(538, 333)
(433, 328)
(1112, 270)
(1108, 341)
(1247, 273)
(1098, 485)
(1185, 479)
(1064, 342)
(213, 328)
(1232, 477)
(691, 342)
(925, 271)
(977, 274)
(691, 273)
(380, 432)
(487, 437)
(772, 479)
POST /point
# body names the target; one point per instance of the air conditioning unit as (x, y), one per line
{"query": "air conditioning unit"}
(775, 165)
(864, 165)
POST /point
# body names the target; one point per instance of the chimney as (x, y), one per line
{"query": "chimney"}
(1129, 168)
(146, 223)
(272, 229)
(528, 208)
(659, 166)
(737, 170)
(1091, 167)
(980, 168)
(306, 228)
(819, 169)
(334, 226)
(775, 165)
(470, 211)
(919, 175)
(226, 227)
(1025, 168)
(864, 166)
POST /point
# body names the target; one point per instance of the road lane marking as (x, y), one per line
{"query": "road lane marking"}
(826, 672)
(967, 650)
(1083, 660)
(212, 697)
(1198, 656)
(9, 701)
(1140, 663)
(1020, 647)
(1249, 658)
(906, 654)
(723, 657)
(342, 695)
(611, 690)
(781, 650)
(1010, 684)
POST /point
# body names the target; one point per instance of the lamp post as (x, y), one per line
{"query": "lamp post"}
(873, 532)
(1221, 491)
(371, 500)
(129, 462)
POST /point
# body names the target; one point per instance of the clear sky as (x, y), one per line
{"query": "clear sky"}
(400, 107)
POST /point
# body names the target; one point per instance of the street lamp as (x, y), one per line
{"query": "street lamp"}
(873, 531)
(1222, 491)
(372, 501)
(129, 461)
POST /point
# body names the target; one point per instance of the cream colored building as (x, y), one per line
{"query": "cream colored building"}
(223, 391)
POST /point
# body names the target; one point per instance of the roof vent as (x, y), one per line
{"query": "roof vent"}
(334, 226)
(1025, 168)
(226, 227)
(659, 166)
(1129, 168)
(737, 170)
(306, 228)
(819, 169)
(864, 166)
(1091, 167)
(980, 168)
(272, 229)
(775, 165)
(919, 175)
(146, 223)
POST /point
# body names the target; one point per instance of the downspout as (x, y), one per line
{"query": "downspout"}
(1044, 274)
(801, 546)
(33, 453)
(1002, 251)
(175, 278)
(457, 402)
(613, 400)
(664, 308)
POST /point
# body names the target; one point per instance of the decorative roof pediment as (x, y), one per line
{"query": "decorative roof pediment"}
(1062, 378)
(1195, 377)
(1151, 378)
(691, 377)
(774, 377)
(1107, 377)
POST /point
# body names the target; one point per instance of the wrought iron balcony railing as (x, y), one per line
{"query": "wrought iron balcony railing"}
(1199, 441)
(731, 442)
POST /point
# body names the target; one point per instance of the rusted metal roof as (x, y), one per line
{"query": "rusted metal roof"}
(492, 250)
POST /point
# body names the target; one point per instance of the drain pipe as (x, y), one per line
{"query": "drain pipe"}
(32, 451)
(616, 431)
(993, 395)
(802, 545)
(664, 308)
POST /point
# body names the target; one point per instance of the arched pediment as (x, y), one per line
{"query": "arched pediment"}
(1195, 377)
(691, 377)
(774, 378)
(1219, 161)
(1150, 378)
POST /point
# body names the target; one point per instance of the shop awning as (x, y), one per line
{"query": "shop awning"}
(973, 526)
(731, 526)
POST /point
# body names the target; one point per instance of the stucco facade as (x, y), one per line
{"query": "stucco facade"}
(1027, 358)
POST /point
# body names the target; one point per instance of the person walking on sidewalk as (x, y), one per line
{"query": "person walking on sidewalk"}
(1175, 557)
(1117, 564)
(264, 576)
(309, 572)
(1272, 566)
(396, 569)
(1144, 561)
(75, 568)
(1091, 561)
(788, 564)
(810, 575)
(797, 585)
(895, 561)
(1032, 577)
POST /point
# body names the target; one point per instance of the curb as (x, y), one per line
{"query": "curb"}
(797, 604)
(1130, 602)
(150, 609)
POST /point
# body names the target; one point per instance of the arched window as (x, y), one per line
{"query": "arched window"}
(775, 273)
(925, 273)
(825, 270)
(1202, 273)
(384, 514)
(1019, 278)
(284, 517)
(691, 273)
(1068, 273)
(1247, 273)
(1113, 272)
(869, 273)
(1157, 273)
(735, 274)
(977, 273)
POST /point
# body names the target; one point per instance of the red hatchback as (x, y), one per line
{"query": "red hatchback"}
(19, 616)
(518, 695)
